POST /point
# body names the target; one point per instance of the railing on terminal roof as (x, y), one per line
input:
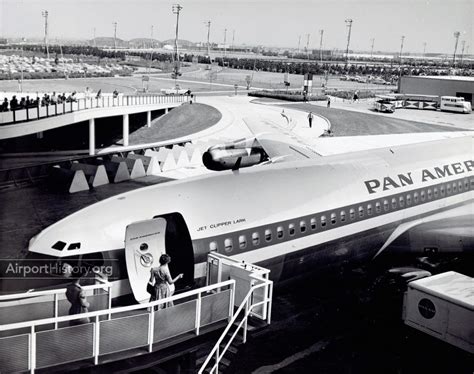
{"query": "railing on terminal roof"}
(106, 101)
(113, 330)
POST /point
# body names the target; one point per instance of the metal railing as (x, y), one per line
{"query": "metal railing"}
(131, 327)
(106, 101)
(33, 305)
(245, 310)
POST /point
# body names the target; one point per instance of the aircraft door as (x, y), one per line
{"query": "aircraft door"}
(144, 244)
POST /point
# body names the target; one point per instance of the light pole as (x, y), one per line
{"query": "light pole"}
(233, 39)
(424, 50)
(225, 38)
(299, 43)
(321, 33)
(307, 45)
(208, 25)
(349, 26)
(95, 44)
(400, 63)
(463, 43)
(372, 48)
(115, 38)
(176, 8)
(456, 36)
(45, 14)
(151, 48)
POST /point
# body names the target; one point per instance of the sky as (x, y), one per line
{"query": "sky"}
(278, 23)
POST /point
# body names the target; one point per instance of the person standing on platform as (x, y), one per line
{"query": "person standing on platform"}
(329, 102)
(310, 119)
(164, 284)
(79, 304)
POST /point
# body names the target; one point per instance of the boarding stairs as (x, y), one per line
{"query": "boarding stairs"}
(254, 294)
(36, 333)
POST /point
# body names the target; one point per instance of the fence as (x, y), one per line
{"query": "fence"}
(38, 112)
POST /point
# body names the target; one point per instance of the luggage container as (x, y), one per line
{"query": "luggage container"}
(442, 306)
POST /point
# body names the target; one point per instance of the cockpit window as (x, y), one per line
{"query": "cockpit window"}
(78, 246)
(59, 245)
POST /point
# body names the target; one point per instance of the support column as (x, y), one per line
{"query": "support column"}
(92, 136)
(148, 118)
(125, 130)
(166, 110)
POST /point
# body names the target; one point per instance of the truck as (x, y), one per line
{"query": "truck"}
(442, 306)
(384, 104)
(455, 104)
(433, 102)
(176, 90)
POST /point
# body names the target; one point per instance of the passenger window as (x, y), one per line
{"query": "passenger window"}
(228, 245)
(268, 235)
(213, 246)
(448, 188)
(323, 221)
(361, 212)
(401, 200)
(415, 197)
(441, 189)
(352, 213)
(291, 229)
(378, 208)
(385, 205)
(394, 203)
(242, 241)
(343, 216)
(429, 194)
(333, 218)
(408, 199)
(369, 209)
(460, 186)
(303, 226)
(472, 183)
(422, 195)
(313, 223)
(255, 238)
(454, 187)
(279, 232)
(466, 184)
(435, 191)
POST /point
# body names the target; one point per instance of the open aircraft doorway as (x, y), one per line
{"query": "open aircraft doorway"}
(146, 241)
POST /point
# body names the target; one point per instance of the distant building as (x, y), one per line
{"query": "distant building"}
(3, 41)
(439, 85)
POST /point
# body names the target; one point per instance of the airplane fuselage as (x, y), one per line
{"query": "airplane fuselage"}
(292, 216)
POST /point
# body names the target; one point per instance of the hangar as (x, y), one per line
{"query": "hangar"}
(439, 85)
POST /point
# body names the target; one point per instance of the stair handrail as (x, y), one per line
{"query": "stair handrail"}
(248, 310)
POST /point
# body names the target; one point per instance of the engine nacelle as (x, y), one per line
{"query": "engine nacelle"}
(233, 155)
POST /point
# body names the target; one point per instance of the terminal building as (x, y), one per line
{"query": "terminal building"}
(439, 86)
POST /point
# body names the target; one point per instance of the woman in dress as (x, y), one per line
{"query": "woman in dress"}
(163, 281)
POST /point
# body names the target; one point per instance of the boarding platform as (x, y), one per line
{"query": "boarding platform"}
(37, 334)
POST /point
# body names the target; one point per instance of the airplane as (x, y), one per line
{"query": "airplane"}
(280, 204)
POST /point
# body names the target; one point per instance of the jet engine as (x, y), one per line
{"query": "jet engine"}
(234, 155)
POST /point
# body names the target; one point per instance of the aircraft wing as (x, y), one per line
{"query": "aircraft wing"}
(279, 143)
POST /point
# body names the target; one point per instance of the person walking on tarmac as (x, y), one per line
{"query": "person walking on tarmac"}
(310, 119)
